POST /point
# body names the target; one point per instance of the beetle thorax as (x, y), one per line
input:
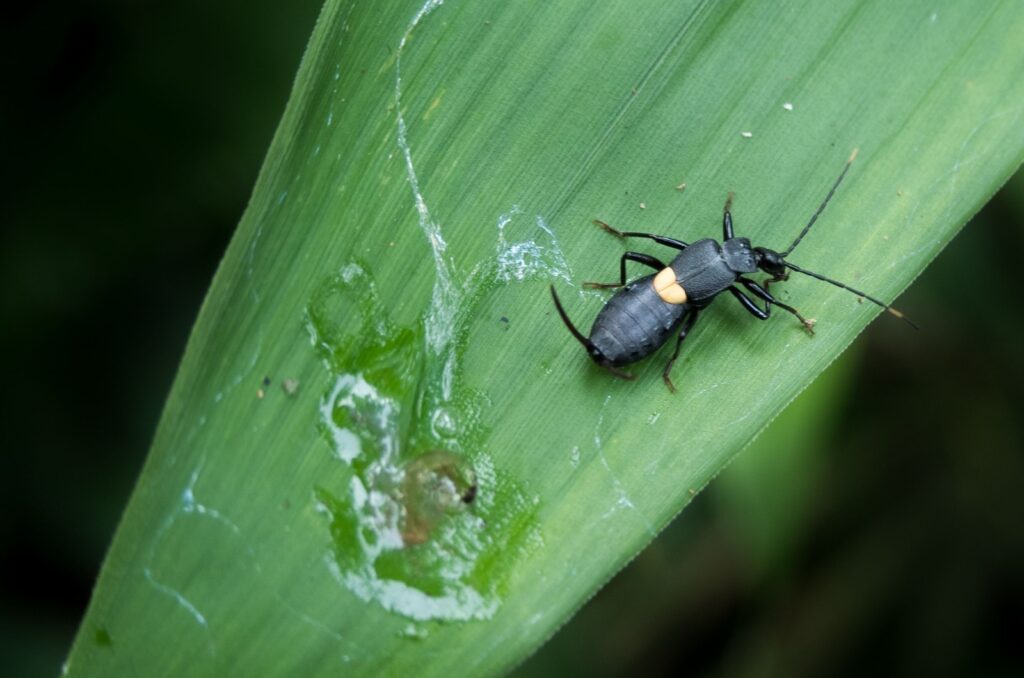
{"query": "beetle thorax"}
(739, 255)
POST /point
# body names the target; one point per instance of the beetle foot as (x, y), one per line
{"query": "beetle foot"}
(610, 229)
(781, 277)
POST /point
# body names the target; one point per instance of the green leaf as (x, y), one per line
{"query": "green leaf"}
(383, 452)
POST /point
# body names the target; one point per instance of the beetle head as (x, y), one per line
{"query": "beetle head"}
(770, 261)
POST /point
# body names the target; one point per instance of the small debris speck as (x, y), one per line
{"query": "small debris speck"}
(692, 492)
(260, 393)
(643, 205)
(746, 135)
(788, 106)
(899, 194)
(266, 381)
(681, 187)
(103, 638)
(504, 321)
(290, 386)
(885, 237)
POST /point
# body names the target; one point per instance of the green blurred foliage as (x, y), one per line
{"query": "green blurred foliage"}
(874, 527)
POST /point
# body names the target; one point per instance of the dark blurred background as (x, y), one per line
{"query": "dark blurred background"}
(875, 528)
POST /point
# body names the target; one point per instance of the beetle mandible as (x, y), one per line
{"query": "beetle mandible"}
(643, 314)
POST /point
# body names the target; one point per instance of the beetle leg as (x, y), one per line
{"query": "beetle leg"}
(781, 277)
(749, 304)
(638, 257)
(769, 301)
(660, 239)
(580, 337)
(691, 318)
(727, 233)
(592, 350)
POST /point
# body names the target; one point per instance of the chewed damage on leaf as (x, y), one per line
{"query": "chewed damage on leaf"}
(436, 484)
(425, 526)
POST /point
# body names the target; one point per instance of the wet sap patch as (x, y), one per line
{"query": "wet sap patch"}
(427, 527)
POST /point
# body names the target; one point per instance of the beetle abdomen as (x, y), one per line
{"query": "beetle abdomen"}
(634, 323)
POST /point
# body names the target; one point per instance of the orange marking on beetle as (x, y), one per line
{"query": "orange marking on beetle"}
(670, 291)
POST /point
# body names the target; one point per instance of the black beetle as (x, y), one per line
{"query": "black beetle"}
(641, 316)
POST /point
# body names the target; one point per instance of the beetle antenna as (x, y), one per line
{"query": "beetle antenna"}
(887, 307)
(821, 208)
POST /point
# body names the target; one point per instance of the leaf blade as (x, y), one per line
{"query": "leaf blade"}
(226, 505)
